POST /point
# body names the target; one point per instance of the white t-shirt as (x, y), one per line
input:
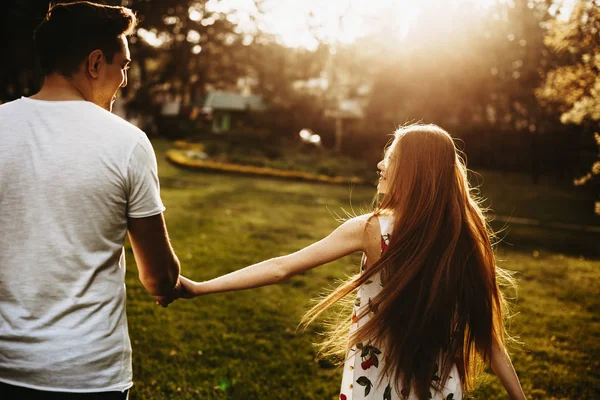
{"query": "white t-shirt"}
(70, 174)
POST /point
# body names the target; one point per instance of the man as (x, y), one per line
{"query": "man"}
(74, 180)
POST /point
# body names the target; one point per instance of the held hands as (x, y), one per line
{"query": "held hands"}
(184, 289)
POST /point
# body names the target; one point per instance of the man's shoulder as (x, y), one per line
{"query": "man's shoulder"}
(75, 117)
(111, 127)
(10, 106)
(116, 122)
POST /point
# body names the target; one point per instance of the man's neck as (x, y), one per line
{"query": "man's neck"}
(57, 87)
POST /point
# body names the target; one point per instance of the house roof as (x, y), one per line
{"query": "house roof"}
(219, 100)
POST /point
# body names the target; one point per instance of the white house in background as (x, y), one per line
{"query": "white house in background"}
(228, 110)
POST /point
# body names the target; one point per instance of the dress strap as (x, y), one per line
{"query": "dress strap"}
(385, 226)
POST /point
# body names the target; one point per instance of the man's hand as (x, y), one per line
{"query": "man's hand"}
(184, 289)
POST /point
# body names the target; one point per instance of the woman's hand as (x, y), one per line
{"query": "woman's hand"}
(184, 289)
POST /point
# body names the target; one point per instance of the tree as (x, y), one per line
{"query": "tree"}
(198, 47)
(470, 69)
(18, 73)
(289, 80)
(574, 85)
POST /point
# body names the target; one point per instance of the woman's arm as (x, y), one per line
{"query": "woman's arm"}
(504, 370)
(346, 239)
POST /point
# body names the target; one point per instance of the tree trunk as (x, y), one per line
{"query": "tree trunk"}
(339, 134)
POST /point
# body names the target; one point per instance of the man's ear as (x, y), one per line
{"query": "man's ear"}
(95, 58)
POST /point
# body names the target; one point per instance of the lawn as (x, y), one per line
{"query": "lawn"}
(244, 345)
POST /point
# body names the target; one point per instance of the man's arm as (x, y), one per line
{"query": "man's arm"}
(158, 266)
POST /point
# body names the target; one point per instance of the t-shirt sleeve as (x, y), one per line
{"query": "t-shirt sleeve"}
(142, 181)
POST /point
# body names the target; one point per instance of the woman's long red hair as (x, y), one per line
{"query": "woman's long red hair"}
(440, 304)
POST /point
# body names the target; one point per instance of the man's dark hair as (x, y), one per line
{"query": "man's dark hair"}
(71, 31)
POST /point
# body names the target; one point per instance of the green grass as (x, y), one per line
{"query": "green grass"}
(244, 345)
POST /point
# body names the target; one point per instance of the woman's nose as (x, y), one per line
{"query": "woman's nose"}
(381, 165)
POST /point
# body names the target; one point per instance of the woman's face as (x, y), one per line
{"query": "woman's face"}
(384, 167)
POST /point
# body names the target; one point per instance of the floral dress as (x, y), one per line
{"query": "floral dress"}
(361, 376)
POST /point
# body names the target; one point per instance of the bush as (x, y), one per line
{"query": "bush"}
(180, 157)
(284, 155)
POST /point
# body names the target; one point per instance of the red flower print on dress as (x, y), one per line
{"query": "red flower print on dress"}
(369, 356)
(367, 363)
(343, 396)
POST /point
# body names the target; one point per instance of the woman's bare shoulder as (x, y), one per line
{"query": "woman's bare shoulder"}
(365, 226)
(360, 220)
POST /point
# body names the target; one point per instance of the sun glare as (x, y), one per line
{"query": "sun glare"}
(305, 24)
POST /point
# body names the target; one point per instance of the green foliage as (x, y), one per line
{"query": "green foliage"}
(575, 84)
(187, 72)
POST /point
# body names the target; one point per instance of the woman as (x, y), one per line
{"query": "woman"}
(428, 305)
